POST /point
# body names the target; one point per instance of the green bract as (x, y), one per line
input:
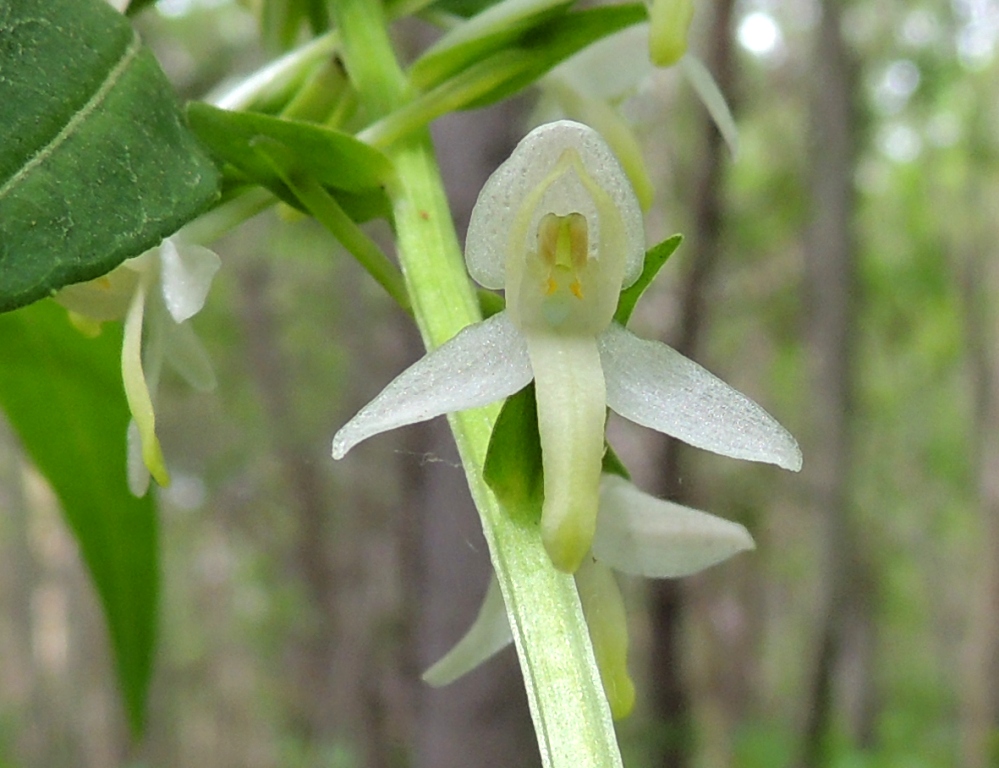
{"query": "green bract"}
(558, 226)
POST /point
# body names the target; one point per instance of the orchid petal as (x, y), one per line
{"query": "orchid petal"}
(580, 104)
(185, 352)
(187, 272)
(489, 244)
(485, 362)
(104, 298)
(488, 635)
(657, 387)
(645, 536)
(603, 609)
(136, 390)
(569, 386)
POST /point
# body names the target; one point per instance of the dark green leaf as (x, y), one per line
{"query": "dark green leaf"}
(490, 303)
(333, 158)
(482, 35)
(550, 44)
(95, 162)
(63, 396)
(464, 8)
(513, 460)
(655, 257)
(513, 466)
(505, 72)
(612, 464)
(135, 6)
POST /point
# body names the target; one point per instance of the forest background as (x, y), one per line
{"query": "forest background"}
(840, 269)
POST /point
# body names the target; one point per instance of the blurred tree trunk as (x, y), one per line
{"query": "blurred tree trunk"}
(845, 634)
(19, 574)
(978, 697)
(342, 661)
(671, 707)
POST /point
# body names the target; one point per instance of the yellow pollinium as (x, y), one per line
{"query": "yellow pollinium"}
(563, 243)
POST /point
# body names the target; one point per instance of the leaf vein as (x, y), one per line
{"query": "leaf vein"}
(129, 54)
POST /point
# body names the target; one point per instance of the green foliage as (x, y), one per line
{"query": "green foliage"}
(334, 158)
(96, 164)
(655, 258)
(63, 396)
(513, 463)
(551, 43)
(497, 28)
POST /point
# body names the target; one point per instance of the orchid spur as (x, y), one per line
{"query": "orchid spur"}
(559, 228)
(637, 534)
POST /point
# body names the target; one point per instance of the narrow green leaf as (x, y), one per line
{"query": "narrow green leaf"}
(613, 465)
(328, 212)
(513, 461)
(494, 28)
(63, 396)
(655, 257)
(96, 165)
(505, 72)
(333, 158)
(557, 40)
(464, 8)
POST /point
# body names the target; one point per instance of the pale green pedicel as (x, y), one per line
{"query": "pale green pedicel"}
(558, 226)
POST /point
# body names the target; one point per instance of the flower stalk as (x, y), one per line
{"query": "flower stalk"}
(571, 715)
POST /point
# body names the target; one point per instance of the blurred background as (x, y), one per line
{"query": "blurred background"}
(841, 270)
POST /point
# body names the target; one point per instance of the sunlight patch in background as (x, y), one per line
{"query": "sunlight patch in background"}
(175, 8)
(759, 34)
(978, 32)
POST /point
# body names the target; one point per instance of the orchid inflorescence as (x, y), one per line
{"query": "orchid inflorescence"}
(559, 228)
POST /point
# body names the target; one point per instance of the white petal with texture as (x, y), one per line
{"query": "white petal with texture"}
(645, 536)
(488, 635)
(187, 272)
(657, 387)
(485, 362)
(189, 357)
(527, 172)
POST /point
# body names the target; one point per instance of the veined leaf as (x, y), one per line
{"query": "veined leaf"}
(62, 393)
(96, 165)
(333, 158)
(490, 30)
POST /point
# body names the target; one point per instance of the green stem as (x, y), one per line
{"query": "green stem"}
(327, 211)
(570, 711)
(461, 90)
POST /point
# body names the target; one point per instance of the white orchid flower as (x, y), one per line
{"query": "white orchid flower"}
(636, 534)
(558, 226)
(155, 293)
